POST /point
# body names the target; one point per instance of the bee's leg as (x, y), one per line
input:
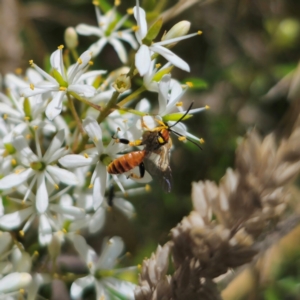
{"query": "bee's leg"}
(142, 172)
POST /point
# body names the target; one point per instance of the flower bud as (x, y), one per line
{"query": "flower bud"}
(122, 83)
(71, 38)
(178, 30)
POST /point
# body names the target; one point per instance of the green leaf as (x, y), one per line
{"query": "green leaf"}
(197, 83)
(153, 32)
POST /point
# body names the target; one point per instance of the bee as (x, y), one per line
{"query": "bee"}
(155, 154)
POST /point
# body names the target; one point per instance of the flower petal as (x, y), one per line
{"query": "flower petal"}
(75, 161)
(140, 16)
(97, 221)
(94, 131)
(171, 57)
(55, 106)
(14, 282)
(62, 175)
(15, 219)
(99, 184)
(120, 49)
(84, 29)
(42, 199)
(111, 251)
(15, 179)
(56, 143)
(143, 59)
(79, 285)
(45, 230)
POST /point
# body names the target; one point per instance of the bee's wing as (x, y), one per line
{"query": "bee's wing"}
(158, 164)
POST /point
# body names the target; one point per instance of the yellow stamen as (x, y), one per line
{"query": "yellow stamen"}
(86, 155)
(130, 11)
(60, 47)
(147, 188)
(202, 141)
(26, 118)
(199, 32)
(128, 254)
(182, 138)
(120, 34)
(157, 66)
(62, 88)
(79, 60)
(139, 266)
(135, 28)
(21, 233)
(5, 116)
(28, 136)
(117, 2)
(95, 139)
(13, 162)
(207, 107)
(95, 2)
(91, 63)
(189, 84)
(35, 127)
(36, 253)
(18, 171)
(64, 230)
(31, 62)
(31, 86)
(56, 186)
(91, 186)
(179, 104)
(18, 71)
(88, 174)
(22, 291)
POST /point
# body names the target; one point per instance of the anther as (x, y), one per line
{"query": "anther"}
(135, 28)
(60, 47)
(157, 66)
(56, 186)
(130, 11)
(199, 32)
(18, 71)
(21, 233)
(207, 107)
(31, 86)
(62, 88)
(117, 2)
(86, 155)
(79, 60)
(178, 104)
(202, 141)
(91, 63)
(147, 188)
(31, 62)
(91, 186)
(182, 138)
(189, 84)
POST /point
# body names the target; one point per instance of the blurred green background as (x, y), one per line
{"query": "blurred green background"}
(247, 46)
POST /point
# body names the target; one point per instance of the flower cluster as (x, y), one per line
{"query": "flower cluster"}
(62, 134)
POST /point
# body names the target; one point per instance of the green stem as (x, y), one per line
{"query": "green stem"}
(75, 115)
(132, 111)
(95, 106)
(108, 108)
(74, 54)
(131, 96)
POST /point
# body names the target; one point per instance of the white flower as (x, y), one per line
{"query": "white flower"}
(108, 32)
(14, 282)
(63, 82)
(101, 270)
(143, 55)
(40, 168)
(47, 219)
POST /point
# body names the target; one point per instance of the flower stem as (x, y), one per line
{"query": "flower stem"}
(75, 115)
(131, 96)
(108, 108)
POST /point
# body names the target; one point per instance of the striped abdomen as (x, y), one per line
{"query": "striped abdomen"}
(126, 162)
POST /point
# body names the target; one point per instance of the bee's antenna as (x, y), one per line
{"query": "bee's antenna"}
(183, 115)
(190, 140)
